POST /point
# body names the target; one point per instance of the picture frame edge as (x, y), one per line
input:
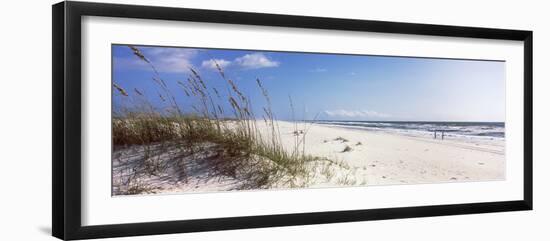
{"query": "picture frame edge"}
(66, 189)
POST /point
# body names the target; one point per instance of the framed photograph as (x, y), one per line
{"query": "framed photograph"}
(171, 120)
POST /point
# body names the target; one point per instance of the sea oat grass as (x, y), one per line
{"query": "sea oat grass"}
(240, 149)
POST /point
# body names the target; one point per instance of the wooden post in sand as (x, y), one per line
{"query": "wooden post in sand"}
(442, 134)
(435, 134)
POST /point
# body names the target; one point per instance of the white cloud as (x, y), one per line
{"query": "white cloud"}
(211, 63)
(355, 114)
(318, 70)
(255, 61)
(172, 60)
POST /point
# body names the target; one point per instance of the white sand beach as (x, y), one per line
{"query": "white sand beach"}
(392, 158)
(372, 158)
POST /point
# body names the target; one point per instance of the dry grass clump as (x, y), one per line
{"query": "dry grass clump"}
(347, 149)
(232, 134)
(139, 129)
(346, 180)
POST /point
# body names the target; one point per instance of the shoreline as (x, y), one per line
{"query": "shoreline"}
(498, 142)
(393, 158)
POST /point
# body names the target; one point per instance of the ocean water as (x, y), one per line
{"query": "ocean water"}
(485, 130)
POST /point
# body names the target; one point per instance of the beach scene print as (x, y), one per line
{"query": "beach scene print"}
(192, 120)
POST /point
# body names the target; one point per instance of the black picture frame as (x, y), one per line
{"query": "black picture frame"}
(66, 158)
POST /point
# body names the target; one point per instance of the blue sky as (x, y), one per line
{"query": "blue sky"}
(329, 86)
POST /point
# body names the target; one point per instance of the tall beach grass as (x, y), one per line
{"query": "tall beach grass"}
(232, 136)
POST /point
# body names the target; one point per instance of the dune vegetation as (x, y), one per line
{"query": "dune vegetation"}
(174, 140)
